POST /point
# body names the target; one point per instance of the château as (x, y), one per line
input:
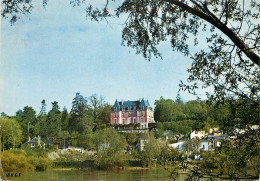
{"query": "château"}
(126, 112)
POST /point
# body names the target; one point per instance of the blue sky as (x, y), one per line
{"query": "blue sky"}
(54, 53)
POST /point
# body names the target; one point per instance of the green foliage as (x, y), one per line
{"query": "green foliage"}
(10, 133)
(88, 112)
(130, 138)
(27, 120)
(64, 119)
(151, 151)
(19, 160)
(169, 156)
(107, 160)
(78, 112)
(12, 162)
(110, 146)
(164, 110)
(180, 127)
(235, 159)
(182, 117)
(40, 163)
(53, 121)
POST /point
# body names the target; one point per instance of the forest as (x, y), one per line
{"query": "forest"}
(91, 114)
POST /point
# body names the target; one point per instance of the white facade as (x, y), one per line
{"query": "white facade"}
(181, 145)
(204, 145)
(197, 134)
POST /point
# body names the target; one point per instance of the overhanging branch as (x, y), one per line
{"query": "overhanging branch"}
(222, 27)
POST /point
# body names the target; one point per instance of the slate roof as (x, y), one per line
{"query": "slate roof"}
(35, 140)
(130, 104)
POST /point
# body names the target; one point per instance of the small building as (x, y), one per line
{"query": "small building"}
(127, 112)
(34, 143)
(197, 134)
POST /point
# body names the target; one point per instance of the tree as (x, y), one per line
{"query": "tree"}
(10, 133)
(110, 146)
(3, 114)
(98, 109)
(78, 113)
(40, 127)
(164, 110)
(193, 146)
(43, 108)
(151, 150)
(27, 120)
(130, 138)
(233, 160)
(53, 122)
(64, 119)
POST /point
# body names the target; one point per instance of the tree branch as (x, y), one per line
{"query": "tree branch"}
(222, 27)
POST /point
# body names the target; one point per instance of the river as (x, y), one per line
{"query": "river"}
(86, 175)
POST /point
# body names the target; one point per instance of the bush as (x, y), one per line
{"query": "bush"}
(107, 161)
(15, 161)
(18, 160)
(40, 163)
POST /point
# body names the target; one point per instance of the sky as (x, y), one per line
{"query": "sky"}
(55, 52)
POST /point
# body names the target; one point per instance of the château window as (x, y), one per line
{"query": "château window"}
(135, 120)
(142, 113)
(123, 121)
(135, 113)
(115, 114)
(142, 120)
(123, 114)
(129, 114)
(115, 121)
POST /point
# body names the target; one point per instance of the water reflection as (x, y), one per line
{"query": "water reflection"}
(99, 175)
(86, 175)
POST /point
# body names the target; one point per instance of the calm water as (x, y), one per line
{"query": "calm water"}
(87, 175)
(78, 175)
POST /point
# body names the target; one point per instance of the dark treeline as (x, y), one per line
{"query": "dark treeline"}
(181, 117)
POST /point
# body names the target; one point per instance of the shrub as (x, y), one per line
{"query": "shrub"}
(40, 163)
(105, 160)
(15, 161)
(18, 160)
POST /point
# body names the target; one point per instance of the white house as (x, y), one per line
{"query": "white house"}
(197, 134)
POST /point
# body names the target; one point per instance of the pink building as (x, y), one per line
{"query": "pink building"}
(126, 112)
